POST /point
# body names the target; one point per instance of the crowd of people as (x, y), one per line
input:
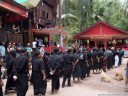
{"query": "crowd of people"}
(76, 62)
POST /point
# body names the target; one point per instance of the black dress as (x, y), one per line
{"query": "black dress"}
(110, 59)
(77, 70)
(11, 84)
(40, 85)
(1, 91)
(47, 70)
(22, 69)
(101, 56)
(82, 65)
(95, 60)
(54, 64)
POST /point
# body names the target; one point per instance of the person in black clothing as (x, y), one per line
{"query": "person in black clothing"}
(1, 82)
(22, 69)
(110, 58)
(121, 54)
(95, 60)
(114, 52)
(47, 69)
(82, 64)
(101, 58)
(88, 60)
(11, 58)
(76, 67)
(54, 65)
(39, 77)
(68, 58)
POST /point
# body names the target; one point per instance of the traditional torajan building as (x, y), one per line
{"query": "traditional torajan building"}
(102, 34)
(12, 21)
(43, 17)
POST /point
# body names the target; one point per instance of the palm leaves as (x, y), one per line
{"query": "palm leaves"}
(80, 14)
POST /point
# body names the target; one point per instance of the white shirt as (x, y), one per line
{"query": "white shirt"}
(42, 50)
(34, 44)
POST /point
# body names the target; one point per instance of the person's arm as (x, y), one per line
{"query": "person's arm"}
(1, 83)
(87, 62)
(42, 68)
(98, 58)
(8, 49)
(43, 73)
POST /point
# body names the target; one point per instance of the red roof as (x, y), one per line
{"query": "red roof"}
(102, 30)
(14, 7)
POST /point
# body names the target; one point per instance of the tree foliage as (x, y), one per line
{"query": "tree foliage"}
(81, 14)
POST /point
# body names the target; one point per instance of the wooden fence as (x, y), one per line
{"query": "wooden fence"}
(4, 36)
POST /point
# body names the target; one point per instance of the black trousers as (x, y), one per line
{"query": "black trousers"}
(67, 75)
(55, 82)
(22, 84)
(88, 71)
(1, 91)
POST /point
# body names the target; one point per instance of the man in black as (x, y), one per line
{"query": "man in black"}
(101, 57)
(22, 69)
(54, 65)
(88, 62)
(95, 62)
(110, 58)
(68, 58)
(39, 77)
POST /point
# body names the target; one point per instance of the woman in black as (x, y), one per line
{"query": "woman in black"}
(76, 67)
(39, 77)
(95, 60)
(1, 82)
(47, 69)
(11, 60)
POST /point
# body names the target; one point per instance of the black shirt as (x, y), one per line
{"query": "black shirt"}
(37, 65)
(68, 58)
(22, 64)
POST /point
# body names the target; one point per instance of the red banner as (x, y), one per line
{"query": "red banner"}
(14, 8)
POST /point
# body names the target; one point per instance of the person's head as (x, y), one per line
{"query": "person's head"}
(109, 48)
(3, 43)
(56, 50)
(38, 54)
(94, 49)
(9, 44)
(69, 49)
(23, 51)
(13, 44)
(28, 44)
(12, 53)
(74, 50)
(19, 44)
(101, 48)
(85, 49)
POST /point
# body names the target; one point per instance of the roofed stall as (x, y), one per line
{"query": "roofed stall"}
(102, 32)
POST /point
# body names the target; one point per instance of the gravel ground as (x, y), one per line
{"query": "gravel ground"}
(91, 86)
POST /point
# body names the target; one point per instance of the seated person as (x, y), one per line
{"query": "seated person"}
(15, 29)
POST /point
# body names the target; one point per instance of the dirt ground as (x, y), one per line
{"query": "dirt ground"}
(91, 86)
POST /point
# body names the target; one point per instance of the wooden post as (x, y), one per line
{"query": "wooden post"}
(88, 42)
(50, 39)
(105, 45)
(30, 34)
(95, 44)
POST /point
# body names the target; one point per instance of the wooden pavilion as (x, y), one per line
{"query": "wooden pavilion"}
(102, 34)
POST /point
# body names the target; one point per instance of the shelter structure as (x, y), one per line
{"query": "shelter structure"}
(12, 17)
(102, 34)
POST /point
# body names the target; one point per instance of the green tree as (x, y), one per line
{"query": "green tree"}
(81, 14)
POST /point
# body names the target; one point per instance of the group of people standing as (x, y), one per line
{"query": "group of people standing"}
(75, 62)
